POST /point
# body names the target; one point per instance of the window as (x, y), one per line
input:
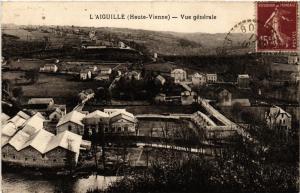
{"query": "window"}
(54, 160)
(34, 159)
(126, 128)
(105, 129)
(14, 157)
(43, 156)
(3, 155)
(65, 160)
(70, 127)
(58, 150)
(26, 158)
(119, 129)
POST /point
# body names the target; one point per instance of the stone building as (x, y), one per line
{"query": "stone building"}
(95, 121)
(179, 75)
(42, 149)
(71, 122)
(122, 123)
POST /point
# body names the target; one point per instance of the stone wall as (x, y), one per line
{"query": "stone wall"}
(29, 156)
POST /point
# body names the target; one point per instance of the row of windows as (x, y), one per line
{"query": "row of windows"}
(33, 159)
(114, 129)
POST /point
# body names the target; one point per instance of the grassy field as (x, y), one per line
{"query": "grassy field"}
(60, 87)
(26, 64)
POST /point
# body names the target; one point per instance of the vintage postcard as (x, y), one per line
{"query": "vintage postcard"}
(150, 97)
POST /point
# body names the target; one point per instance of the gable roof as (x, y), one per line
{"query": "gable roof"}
(73, 116)
(97, 114)
(4, 117)
(278, 111)
(66, 140)
(198, 75)
(50, 65)
(117, 116)
(9, 129)
(178, 70)
(19, 139)
(39, 141)
(17, 120)
(34, 124)
(23, 115)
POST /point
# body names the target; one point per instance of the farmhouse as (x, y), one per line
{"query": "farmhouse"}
(49, 68)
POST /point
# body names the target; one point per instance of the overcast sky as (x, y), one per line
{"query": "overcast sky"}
(78, 14)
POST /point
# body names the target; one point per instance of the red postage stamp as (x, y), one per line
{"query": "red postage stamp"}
(277, 26)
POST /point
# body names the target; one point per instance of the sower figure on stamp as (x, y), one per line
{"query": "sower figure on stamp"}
(275, 21)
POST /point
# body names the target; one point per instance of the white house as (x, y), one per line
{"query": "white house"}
(211, 78)
(198, 79)
(179, 75)
(49, 68)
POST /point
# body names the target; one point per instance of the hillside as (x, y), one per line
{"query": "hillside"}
(19, 39)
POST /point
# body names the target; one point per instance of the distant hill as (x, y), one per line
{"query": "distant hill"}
(148, 42)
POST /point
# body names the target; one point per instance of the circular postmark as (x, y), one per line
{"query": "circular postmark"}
(240, 39)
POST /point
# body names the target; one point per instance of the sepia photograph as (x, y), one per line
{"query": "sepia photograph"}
(150, 97)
